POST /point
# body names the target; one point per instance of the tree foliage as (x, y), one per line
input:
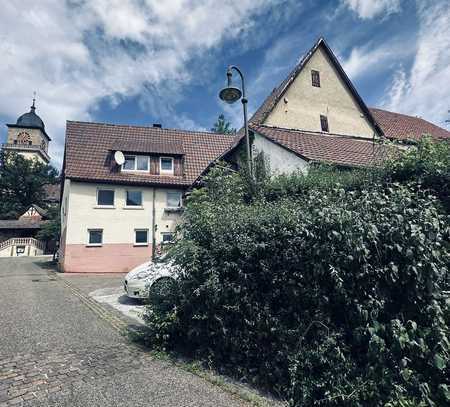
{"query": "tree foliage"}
(221, 126)
(22, 183)
(51, 229)
(326, 293)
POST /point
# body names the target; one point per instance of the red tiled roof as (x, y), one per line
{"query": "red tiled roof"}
(403, 127)
(152, 144)
(318, 147)
(89, 148)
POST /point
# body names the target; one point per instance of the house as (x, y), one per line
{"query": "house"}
(317, 115)
(123, 191)
(18, 236)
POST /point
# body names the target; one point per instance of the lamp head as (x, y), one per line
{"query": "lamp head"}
(230, 94)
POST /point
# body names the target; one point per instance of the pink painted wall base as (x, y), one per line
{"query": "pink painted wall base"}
(109, 258)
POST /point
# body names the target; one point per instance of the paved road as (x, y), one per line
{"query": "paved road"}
(56, 349)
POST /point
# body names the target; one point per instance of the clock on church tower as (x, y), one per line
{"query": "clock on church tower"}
(28, 136)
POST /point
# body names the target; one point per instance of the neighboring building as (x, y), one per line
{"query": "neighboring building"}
(18, 236)
(113, 216)
(406, 129)
(316, 115)
(28, 136)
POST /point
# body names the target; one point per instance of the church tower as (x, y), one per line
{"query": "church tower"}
(28, 136)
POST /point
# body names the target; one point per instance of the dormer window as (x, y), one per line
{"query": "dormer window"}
(136, 163)
(142, 163)
(166, 165)
(130, 163)
(315, 78)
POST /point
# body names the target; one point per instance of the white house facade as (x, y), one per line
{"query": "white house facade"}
(115, 215)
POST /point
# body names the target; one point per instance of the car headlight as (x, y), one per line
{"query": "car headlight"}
(141, 275)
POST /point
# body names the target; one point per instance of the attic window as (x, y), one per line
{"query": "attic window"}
(324, 123)
(166, 165)
(315, 78)
(136, 163)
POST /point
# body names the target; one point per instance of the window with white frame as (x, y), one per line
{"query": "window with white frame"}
(166, 165)
(142, 163)
(136, 163)
(141, 237)
(134, 198)
(129, 164)
(167, 237)
(95, 237)
(173, 199)
(105, 197)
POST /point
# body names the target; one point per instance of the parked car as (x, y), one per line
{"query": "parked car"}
(138, 281)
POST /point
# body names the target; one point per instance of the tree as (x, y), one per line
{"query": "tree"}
(51, 229)
(222, 127)
(22, 183)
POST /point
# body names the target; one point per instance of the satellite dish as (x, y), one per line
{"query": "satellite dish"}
(119, 158)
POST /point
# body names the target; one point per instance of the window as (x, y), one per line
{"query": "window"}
(136, 163)
(95, 237)
(315, 78)
(130, 163)
(166, 165)
(105, 197)
(173, 199)
(141, 237)
(134, 198)
(167, 237)
(324, 123)
(141, 163)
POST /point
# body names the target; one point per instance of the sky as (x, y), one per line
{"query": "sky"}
(141, 62)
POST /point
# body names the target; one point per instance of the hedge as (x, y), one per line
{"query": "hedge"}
(327, 296)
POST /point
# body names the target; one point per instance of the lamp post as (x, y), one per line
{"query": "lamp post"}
(231, 94)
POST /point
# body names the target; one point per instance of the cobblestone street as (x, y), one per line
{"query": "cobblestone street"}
(60, 348)
(39, 375)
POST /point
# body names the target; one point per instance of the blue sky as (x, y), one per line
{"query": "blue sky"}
(152, 61)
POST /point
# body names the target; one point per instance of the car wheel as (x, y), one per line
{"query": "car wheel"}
(162, 294)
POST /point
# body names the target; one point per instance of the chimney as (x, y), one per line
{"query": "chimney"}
(157, 125)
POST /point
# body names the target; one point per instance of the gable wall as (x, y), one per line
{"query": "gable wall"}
(333, 99)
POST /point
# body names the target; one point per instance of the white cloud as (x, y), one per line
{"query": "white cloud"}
(363, 59)
(424, 90)
(367, 9)
(76, 53)
(369, 59)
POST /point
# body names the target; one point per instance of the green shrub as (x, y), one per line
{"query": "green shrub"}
(428, 165)
(328, 298)
(320, 177)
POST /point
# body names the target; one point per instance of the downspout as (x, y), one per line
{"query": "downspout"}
(153, 226)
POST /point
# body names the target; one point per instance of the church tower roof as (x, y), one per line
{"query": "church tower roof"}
(31, 119)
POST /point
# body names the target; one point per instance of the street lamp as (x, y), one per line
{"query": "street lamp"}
(231, 94)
